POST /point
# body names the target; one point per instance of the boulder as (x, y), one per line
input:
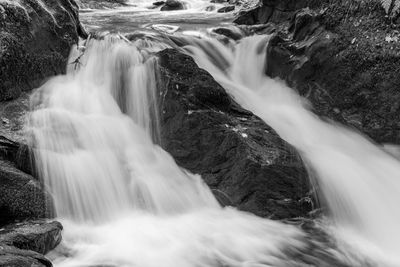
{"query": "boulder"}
(343, 61)
(226, 9)
(21, 196)
(39, 236)
(14, 257)
(35, 37)
(171, 5)
(240, 157)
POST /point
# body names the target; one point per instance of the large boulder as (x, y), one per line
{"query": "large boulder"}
(345, 59)
(21, 196)
(35, 40)
(14, 257)
(240, 157)
(39, 236)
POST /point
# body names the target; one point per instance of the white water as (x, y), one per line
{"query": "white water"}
(359, 181)
(122, 199)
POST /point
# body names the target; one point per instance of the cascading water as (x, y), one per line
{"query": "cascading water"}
(122, 199)
(359, 180)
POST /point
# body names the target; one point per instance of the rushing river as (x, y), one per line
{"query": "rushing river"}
(124, 201)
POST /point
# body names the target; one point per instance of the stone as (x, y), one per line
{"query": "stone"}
(242, 159)
(36, 37)
(171, 5)
(226, 9)
(21, 196)
(14, 257)
(39, 236)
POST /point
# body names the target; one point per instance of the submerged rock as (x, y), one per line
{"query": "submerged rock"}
(38, 236)
(240, 157)
(35, 38)
(171, 5)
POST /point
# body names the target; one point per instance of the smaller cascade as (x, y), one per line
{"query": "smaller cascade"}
(92, 133)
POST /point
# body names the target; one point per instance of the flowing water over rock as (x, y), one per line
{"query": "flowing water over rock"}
(125, 202)
(357, 179)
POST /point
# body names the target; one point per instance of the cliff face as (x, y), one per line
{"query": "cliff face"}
(344, 56)
(35, 40)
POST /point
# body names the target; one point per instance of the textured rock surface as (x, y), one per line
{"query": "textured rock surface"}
(238, 155)
(38, 236)
(14, 257)
(344, 58)
(171, 5)
(21, 196)
(35, 39)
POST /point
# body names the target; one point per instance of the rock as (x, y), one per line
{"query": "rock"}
(231, 32)
(21, 196)
(342, 67)
(159, 3)
(35, 38)
(218, 1)
(14, 257)
(276, 11)
(171, 5)
(226, 9)
(38, 236)
(240, 157)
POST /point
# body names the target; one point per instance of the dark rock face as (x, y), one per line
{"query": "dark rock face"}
(338, 57)
(21, 196)
(35, 38)
(14, 257)
(38, 236)
(226, 9)
(276, 11)
(171, 5)
(239, 156)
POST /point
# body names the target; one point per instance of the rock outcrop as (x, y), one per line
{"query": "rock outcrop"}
(345, 58)
(35, 40)
(240, 157)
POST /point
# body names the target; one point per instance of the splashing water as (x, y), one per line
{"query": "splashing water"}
(122, 199)
(359, 181)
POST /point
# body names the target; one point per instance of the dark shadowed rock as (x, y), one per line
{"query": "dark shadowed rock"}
(337, 56)
(171, 5)
(14, 257)
(240, 157)
(159, 3)
(38, 236)
(35, 38)
(226, 9)
(21, 196)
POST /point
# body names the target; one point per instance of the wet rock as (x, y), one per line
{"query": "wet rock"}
(338, 58)
(159, 3)
(21, 196)
(226, 9)
(240, 157)
(276, 11)
(231, 32)
(171, 5)
(38, 236)
(35, 38)
(14, 257)
(218, 1)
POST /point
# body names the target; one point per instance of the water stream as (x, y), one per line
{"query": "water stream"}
(124, 201)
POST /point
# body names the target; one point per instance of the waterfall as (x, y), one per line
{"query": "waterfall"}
(122, 199)
(358, 179)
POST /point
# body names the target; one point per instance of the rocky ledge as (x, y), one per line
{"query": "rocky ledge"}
(343, 56)
(240, 157)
